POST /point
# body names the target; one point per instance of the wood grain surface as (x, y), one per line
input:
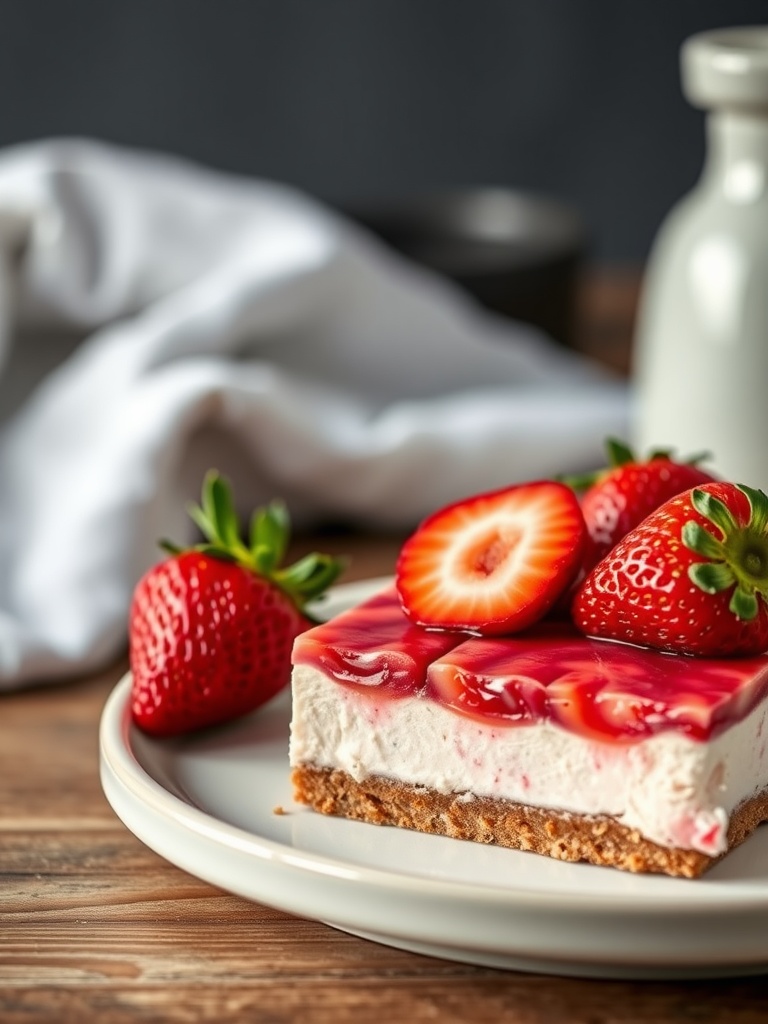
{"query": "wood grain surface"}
(96, 927)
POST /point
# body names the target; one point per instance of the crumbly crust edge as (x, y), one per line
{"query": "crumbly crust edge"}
(596, 839)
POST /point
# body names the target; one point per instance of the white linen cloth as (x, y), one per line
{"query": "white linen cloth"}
(237, 324)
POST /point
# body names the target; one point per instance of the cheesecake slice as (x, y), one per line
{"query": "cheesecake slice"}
(579, 749)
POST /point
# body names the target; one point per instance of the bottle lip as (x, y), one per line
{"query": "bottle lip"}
(727, 67)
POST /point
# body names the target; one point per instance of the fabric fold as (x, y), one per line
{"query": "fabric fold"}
(236, 323)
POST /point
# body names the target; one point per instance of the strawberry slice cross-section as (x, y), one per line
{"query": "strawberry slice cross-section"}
(493, 563)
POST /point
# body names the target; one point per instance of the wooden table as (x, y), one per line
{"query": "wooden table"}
(96, 927)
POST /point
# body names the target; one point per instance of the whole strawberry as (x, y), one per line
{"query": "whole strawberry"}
(692, 578)
(621, 496)
(211, 628)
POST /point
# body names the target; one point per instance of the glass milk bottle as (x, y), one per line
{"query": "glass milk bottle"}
(701, 349)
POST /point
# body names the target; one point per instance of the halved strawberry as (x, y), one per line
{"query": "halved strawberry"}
(493, 563)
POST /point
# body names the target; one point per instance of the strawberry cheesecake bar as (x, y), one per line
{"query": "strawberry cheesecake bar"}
(546, 741)
(456, 704)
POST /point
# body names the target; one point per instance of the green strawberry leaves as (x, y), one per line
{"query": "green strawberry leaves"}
(701, 541)
(716, 511)
(743, 604)
(738, 558)
(268, 538)
(268, 535)
(619, 454)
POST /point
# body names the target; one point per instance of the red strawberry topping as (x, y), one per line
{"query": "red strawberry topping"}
(692, 578)
(495, 562)
(615, 693)
(211, 628)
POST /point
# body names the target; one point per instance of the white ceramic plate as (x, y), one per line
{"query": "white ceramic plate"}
(210, 804)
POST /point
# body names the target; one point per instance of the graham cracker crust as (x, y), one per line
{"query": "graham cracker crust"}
(599, 839)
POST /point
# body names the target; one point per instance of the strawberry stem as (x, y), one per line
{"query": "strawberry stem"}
(268, 539)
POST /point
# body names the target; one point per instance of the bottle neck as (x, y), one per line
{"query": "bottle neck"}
(737, 155)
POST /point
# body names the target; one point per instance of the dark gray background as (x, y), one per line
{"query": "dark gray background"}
(355, 100)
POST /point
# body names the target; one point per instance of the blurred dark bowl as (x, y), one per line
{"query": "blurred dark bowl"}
(516, 253)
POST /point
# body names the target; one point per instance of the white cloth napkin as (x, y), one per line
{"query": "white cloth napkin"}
(237, 324)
